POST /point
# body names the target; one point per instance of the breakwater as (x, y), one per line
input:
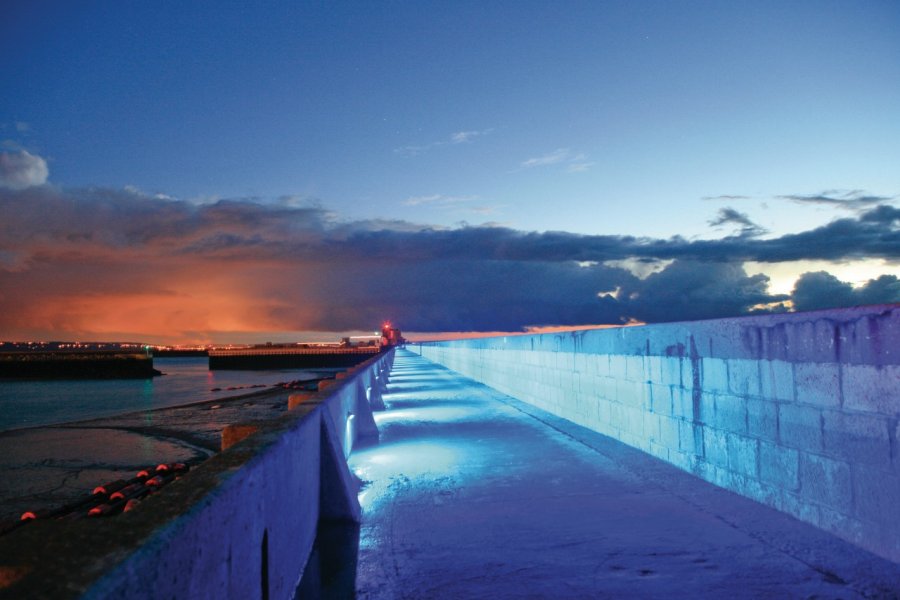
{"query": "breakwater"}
(289, 358)
(240, 525)
(76, 365)
(797, 411)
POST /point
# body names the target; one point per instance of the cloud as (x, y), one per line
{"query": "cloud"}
(431, 199)
(461, 137)
(852, 199)
(19, 170)
(727, 197)
(22, 127)
(730, 216)
(820, 289)
(688, 290)
(575, 163)
(557, 156)
(580, 167)
(455, 203)
(127, 264)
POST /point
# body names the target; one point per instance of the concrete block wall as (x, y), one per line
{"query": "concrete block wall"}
(798, 411)
(241, 525)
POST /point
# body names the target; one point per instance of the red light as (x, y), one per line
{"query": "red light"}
(28, 516)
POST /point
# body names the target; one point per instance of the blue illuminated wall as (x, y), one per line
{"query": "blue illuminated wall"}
(797, 411)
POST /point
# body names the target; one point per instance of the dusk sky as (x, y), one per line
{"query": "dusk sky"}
(228, 171)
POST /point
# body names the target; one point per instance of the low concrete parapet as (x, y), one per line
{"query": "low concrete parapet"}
(240, 525)
(798, 411)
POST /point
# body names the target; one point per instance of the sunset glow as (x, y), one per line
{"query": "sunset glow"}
(501, 169)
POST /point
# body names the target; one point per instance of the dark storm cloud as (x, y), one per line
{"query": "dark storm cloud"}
(101, 260)
(687, 290)
(821, 289)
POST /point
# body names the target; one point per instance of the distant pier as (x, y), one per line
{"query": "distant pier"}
(306, 356)
(290, 357)
(98, 364)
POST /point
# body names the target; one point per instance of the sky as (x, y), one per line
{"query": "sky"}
(228, 171)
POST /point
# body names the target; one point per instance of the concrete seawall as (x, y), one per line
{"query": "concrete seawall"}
(797, 411)
(240, 525)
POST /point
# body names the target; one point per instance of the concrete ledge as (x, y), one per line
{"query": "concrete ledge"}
(240, 525)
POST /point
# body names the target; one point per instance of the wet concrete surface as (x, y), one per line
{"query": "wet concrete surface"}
(46, 467)
(472, 494)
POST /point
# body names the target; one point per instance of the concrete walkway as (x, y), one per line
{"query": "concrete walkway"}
(471, 494)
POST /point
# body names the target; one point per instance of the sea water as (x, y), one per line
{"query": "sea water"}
(185, 380)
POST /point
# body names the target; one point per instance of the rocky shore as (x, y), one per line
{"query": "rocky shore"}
(45, 467)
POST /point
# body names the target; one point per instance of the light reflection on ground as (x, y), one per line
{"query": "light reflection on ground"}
(469, 494)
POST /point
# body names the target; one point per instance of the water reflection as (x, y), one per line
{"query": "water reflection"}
(31, 403)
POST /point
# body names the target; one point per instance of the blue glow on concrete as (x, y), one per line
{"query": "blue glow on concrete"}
(411, 459)
(349, 434)
(447, 414)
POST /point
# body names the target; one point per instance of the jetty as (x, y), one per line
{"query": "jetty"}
(77, 364)
(742, 458)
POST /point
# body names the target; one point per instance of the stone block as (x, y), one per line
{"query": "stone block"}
(744, 377)
(605, 387)
(779, 466)
(762, 419)
(680, 460)
(600, 364)
(872, 388)
(756, 490)
(877, 494)
(826, 481)
(632, 393)
(798, 507)
(857, 438)
(650, 426)
(653, 368)
(714, 375)
(672, 371)
(295, 400)
(234, 433)
(800, 427)
(682, 403)
(776, 380)
(602, 406)
(688, 441)
(617, 415)
(731, 414)
(668, 432)
(707, 408)
(617, 366)
(846, 526)
(660, 399)
(818, 384)
(634, 368)
(634, 421)
(659, 451)
(743, 455)
(715, 446)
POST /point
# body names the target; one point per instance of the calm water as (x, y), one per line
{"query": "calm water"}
(30, 403)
